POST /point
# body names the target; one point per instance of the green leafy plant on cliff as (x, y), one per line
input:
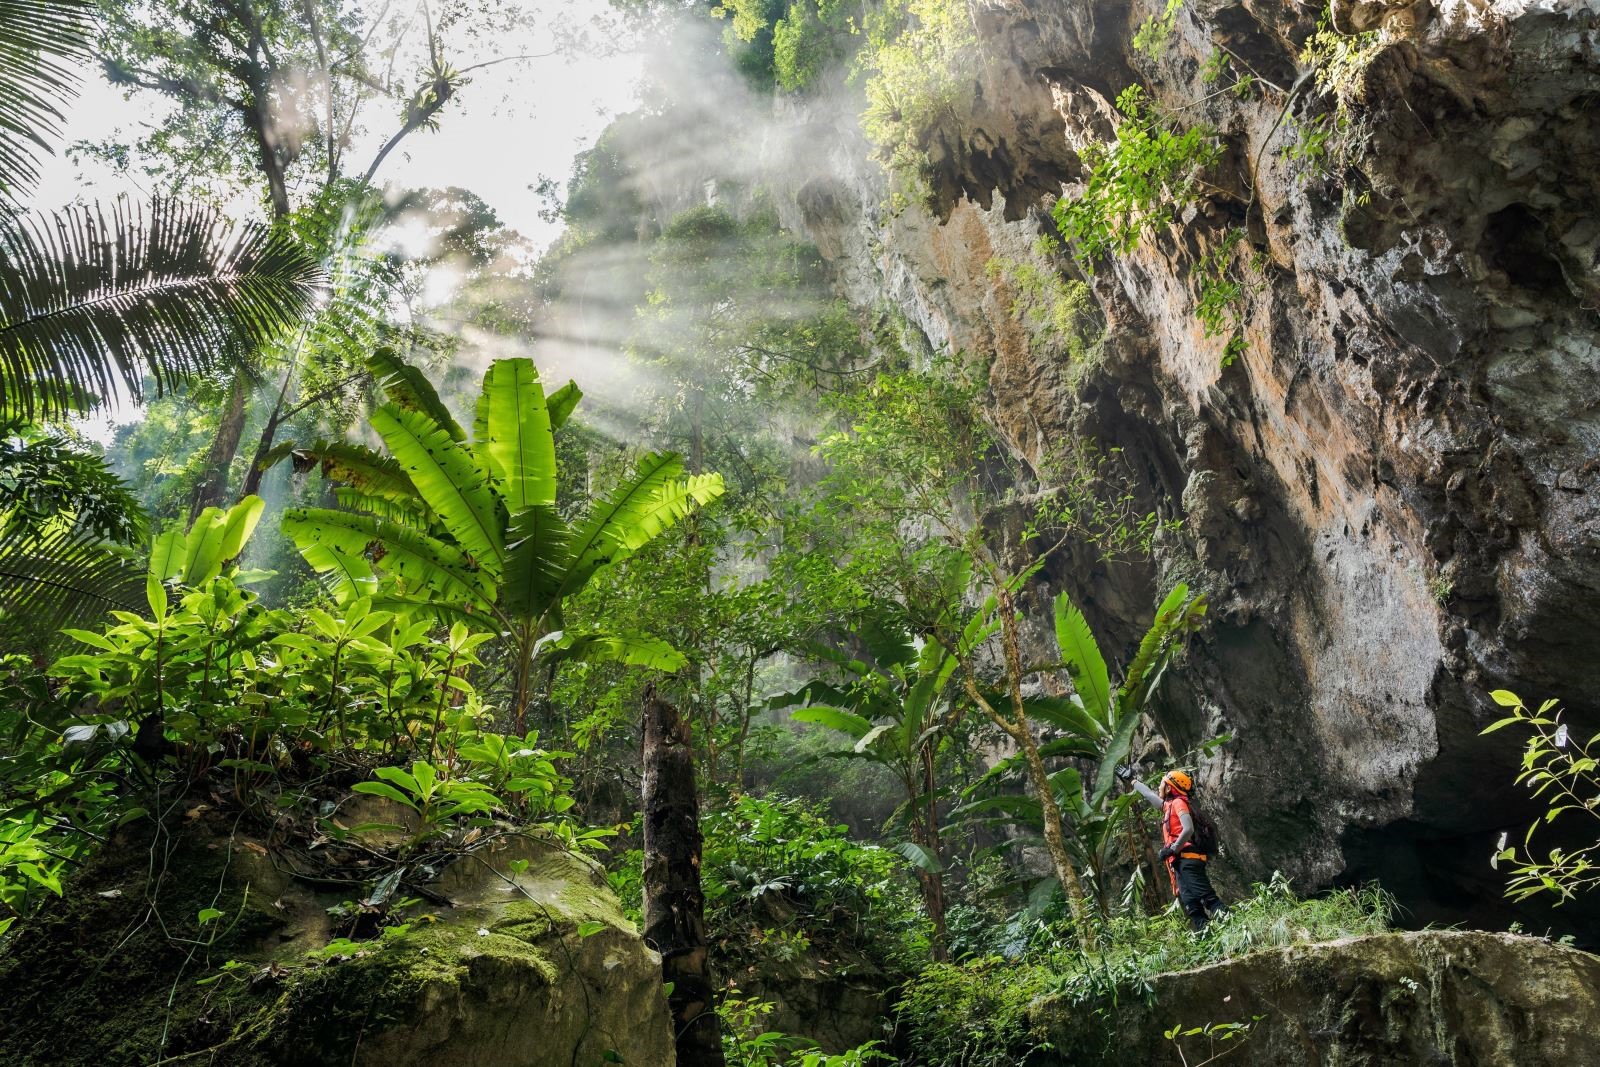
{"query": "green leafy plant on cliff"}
(788, 42)
(1224, 287)
(1231, 1036)
(1563, 771)
(920, 61)
(1057, 310)
(1151, 38)
(1136, 182)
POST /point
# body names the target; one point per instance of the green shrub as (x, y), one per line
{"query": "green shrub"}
(788, 43)
(920, 61)
(1136, 181)
(779, 878)
(1560, 769)
(772, 857)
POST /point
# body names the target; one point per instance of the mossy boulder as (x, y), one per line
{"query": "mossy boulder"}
(1434, 997)
(530, 964)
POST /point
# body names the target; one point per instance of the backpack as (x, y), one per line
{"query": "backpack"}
(1205, 831)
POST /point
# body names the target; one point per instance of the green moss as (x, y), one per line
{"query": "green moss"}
(103, 964)
(114, 964)
(323, 1011)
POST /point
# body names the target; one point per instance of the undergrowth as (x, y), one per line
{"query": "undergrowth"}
(980, 1013)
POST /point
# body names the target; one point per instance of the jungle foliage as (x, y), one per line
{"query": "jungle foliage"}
(434, 585)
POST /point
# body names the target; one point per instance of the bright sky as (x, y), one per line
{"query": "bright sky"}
(513, 123)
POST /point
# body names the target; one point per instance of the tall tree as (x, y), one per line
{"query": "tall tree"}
(278, 94)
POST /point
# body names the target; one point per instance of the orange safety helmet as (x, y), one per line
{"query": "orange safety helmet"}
(1179, 781)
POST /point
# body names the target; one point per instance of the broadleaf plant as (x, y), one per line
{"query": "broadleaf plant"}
(468, 530)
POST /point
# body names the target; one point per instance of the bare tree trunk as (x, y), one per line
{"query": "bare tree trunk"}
(1055, 841)
(932, 881)
(674, 905)
(213, 487)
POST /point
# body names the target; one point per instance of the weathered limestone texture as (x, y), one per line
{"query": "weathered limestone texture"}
(1392, 494)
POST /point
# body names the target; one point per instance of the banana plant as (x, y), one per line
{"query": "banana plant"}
(1095, 723)
(889, 712)
(468, 530)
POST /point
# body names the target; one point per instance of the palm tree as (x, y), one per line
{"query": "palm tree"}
(468, 529)
(1096, 723)
(890, 714)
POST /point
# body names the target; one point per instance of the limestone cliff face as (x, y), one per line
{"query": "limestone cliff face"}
(1392, 494)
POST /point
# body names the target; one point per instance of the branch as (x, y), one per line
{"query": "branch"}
(509, 59)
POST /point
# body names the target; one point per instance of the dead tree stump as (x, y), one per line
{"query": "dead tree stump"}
(674, 906)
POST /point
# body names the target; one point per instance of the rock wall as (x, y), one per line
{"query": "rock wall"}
(1391, 495)
(1440, 997)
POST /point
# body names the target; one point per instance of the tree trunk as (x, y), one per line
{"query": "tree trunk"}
(1055, 841)
(213, 487)
(933, 881)
(674, 905)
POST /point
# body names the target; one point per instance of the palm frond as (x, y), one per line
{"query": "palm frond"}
(66, 576)
(42, 42)
(91, 305)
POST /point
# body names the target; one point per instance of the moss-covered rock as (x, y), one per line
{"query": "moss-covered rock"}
(1436, 997)
(531, 963)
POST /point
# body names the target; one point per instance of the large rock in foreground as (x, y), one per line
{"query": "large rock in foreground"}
(1436, 997)
(530, 964)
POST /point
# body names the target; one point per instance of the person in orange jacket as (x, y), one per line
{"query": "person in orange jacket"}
(1182, 846)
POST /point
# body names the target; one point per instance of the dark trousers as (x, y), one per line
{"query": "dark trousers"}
(1195, 895)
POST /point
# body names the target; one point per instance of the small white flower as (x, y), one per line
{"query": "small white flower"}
(483, 931)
